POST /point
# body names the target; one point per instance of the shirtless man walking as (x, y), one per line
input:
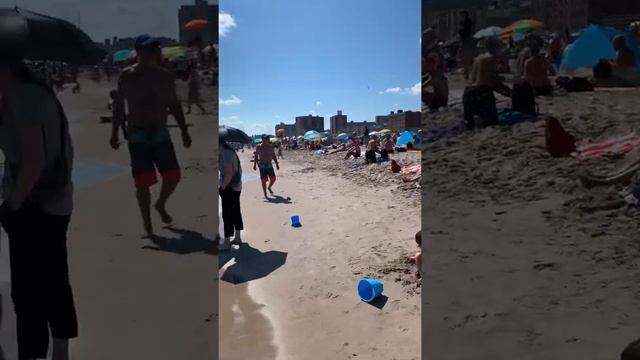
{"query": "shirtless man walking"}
(264, 155)
(150, 94)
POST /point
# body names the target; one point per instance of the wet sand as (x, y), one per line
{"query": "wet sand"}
(137, 299)
(299, 285)
(514, 268)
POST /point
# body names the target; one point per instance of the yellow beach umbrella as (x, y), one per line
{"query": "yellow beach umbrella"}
(174, 52)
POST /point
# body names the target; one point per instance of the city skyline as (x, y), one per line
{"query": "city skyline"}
(284, 59)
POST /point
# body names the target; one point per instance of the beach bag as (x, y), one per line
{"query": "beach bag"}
(395, 167)
(558, 142)
(576, 84)
(523, 98)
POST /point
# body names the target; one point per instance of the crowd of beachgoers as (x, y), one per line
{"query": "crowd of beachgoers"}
(510, 129)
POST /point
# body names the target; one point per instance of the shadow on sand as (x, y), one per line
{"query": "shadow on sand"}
(186, 242)
(380, 301)
(250, 264)
(277, 199)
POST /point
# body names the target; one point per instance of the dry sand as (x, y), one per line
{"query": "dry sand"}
(308, 308)
(513, 268)
(136, 299)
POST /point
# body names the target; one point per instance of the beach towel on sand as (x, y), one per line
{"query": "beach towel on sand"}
(411, 169)
(614, 146)
(558, 142)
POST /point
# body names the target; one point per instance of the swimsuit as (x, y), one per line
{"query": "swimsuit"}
(479, 101)
(152, 149)
(266, 171)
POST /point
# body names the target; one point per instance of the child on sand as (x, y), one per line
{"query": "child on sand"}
(416, 259)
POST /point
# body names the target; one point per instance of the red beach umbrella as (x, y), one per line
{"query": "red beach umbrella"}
(196, 24)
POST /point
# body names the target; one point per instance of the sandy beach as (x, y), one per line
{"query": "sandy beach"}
(291, 293)
(136, 299)
(514, 266)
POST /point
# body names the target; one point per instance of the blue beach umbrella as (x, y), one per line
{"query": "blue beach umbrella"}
(312, 134)
(406, 137)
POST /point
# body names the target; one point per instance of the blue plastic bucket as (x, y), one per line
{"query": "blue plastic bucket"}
(369, 289)
(295, 221)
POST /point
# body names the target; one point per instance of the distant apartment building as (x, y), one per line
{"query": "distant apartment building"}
(201, 10)
(359, 127)
(309, 122)
(404, 120)
(382, 121)
(338, 123)
(289, 129)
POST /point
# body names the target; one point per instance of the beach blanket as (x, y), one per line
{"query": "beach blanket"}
(614, 146)
(411, 169)
(512, 117)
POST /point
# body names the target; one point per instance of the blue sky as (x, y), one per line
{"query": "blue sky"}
(284, 58)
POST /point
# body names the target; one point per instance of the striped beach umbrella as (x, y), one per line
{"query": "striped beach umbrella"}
(385, 132)
(522, 26)
(488, 32)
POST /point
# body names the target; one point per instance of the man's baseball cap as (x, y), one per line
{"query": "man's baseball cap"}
(265, 137)
(146, 41)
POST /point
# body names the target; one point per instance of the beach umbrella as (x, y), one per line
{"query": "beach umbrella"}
(230, 134)
(342, 136)
(174, 52)
(257, 141)
(522, 26)
(196, 24)
(385, 132)
(406, 137)
(488, 32)
(312, 134)
(122, 55)
(43, 38)
(373, 133)
(274, 140)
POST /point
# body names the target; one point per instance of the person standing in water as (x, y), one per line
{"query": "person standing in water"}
(149, 91)
(264, 156)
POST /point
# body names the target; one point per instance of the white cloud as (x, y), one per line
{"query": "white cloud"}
(318, 103)
(226, 23)
(414, 90)
(233, 100)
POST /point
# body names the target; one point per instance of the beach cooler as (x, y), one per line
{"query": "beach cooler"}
(295, 221)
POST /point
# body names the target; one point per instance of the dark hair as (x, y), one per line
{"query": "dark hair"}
(632, 351)
(419, 237)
